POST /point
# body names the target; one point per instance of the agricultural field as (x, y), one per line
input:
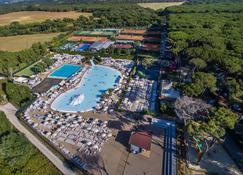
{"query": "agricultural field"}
(25, 17)
(20, 42)
(159, 5)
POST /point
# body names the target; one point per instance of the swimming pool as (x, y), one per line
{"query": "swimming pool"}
(96, 81)
(65, 71)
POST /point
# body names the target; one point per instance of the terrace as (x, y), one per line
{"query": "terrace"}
(101, 45)
(71, 133)
(140, 95)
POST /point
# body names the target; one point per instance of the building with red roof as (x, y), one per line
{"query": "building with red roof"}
(140, 142)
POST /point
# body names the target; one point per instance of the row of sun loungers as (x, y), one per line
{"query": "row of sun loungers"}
(125, 67)
(140, 95)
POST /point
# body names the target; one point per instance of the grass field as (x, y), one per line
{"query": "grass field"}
(20, 42)
(27, 71)
(159, 5)
(37, 16)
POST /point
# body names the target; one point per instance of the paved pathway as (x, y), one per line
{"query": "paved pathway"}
(234, 150)
(10, 111)
(169, 145)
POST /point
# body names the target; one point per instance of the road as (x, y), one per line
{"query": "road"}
(10, 112)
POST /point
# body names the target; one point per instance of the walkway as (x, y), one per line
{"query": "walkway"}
(234, 151)
(10, 111)
(169, 145)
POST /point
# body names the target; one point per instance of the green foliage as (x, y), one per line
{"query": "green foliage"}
(3, 98)
(166, 109)
(13, 61)
(17, 94)
(235, 89)
(220, 119)
(200, 82)
(18, 156)
(148, 112)
(198, 63)
(104, 15)
(41, 66)
(4, 124)
(208, 35)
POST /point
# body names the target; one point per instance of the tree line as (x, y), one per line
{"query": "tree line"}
(104, 15)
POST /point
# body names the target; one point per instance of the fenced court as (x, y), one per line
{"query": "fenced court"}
(89, 39)
(130, 37)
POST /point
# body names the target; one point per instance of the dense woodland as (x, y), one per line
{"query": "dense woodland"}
(18, 156)
(208, 37)
(18, 95)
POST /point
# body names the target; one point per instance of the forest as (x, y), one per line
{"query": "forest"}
(18, 156)
(206, 37)
(212, 44)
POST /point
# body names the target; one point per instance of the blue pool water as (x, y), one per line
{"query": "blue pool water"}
(84, 47)
(66, 71)
(96, 81)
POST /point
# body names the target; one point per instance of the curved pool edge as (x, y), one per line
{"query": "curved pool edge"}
(85, 74)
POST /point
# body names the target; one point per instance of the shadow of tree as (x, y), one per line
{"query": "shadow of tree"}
(123, 137)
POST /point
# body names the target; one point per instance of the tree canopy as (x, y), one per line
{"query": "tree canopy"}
(18, 156)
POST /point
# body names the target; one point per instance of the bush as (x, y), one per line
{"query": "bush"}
(18, 156)
(166, 109)
(17, 94)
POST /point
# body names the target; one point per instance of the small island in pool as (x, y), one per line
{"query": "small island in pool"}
(96, 81)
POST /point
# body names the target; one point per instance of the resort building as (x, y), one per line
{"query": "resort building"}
(109, 32)
(140, 143)
(101, 45)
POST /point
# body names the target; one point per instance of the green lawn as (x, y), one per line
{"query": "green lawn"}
(27, 71)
